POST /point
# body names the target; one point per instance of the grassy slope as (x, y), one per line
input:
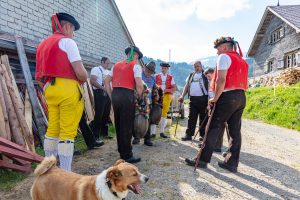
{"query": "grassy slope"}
(283, 109)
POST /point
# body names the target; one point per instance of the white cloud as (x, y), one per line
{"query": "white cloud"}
(159, 25)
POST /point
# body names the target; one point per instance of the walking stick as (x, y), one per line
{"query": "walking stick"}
(177, 118)
(202, 123)
(205, 136)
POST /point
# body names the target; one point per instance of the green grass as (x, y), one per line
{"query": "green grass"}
(8, 179)
(282, 109)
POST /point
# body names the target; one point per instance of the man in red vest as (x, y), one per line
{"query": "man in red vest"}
(229, 85)
(167, 84)
(59, 71)
(125, 76)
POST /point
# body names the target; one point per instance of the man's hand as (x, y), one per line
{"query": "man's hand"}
(211, 102)
(181, 99)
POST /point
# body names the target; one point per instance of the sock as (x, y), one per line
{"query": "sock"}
(152, 129)
(50, 146)
(65, 153)
(162, 125)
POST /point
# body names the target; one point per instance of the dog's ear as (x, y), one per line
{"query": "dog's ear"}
(119, 162)
(113, 173)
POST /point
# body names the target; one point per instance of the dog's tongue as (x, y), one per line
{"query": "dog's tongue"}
(138, 188)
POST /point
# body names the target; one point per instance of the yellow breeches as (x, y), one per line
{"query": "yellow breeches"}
(65, 106)
(167, 98)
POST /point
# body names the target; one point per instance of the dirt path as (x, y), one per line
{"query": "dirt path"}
(269, 168)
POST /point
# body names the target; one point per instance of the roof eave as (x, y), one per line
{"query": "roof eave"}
(249, 54)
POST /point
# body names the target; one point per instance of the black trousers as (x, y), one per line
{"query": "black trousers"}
(123, 105)
(198, 106)
(86, 131)
(102, 110)
(229, 108)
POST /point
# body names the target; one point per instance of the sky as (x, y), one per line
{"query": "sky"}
(187, 28)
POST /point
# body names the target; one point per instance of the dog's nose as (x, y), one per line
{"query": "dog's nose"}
(146, 179)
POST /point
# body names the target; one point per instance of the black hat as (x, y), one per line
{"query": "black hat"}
(151, 66)
(165, 65)
(69, 18)
(136, 49)
(223, 40)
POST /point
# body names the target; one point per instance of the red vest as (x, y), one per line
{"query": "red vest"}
(168, 82)
(123, 75)
(237, 74)
(51, 61)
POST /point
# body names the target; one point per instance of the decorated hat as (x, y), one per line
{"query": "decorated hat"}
(223, 40)
(69, 18)
(134, 48)
(151, 66)
(165, 64)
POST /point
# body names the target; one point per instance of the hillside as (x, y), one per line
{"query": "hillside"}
(282, 109)
(181, 70)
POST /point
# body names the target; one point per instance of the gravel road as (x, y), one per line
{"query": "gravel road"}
(269, 168)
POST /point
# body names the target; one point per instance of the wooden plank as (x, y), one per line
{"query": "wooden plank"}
(91, 94)
(20, 168)
(5, 61)
(37, 112)
(20, 154)
(2, 124)
(4, 112)
(87, 103)
(28, 111)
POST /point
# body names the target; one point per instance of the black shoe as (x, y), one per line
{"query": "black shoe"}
(219, 150)
(227, 167)
(163, 135)
(133, 160)
(186, 138)
(76, 152)
(148, 143)
(153, 135)
(192, 162)
(135, 141)
(98, 143)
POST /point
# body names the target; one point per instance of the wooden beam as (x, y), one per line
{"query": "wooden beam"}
(37, 112)
(87, 103)
(20, 168)
(9, 152)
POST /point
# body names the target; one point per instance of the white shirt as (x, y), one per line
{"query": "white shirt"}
(164, 79)
(137, 71)
(70, 47)
(100, 73)
(195, 89)
(223, 62)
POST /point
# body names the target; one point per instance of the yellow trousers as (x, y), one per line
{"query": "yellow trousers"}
(167, 99)
(65, 106)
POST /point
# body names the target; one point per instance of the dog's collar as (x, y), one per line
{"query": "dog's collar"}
(109, 186)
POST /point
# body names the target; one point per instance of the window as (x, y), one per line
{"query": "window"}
(290, 60)
(270, 65)
(277, 35)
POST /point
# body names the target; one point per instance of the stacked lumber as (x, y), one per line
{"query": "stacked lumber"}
(288, 76)
(17, 145)
(15, 126)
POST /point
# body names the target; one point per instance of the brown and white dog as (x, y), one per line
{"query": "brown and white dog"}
(114, 183)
